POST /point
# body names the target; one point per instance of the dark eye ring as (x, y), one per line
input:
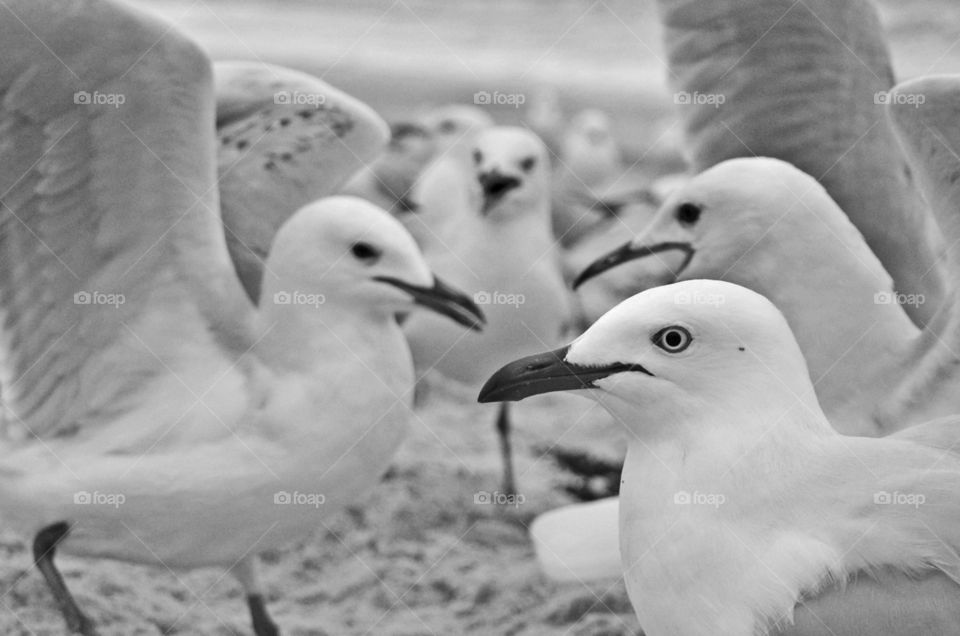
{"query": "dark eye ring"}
(688, 213)
(477, 156)
(673, 339)
(365, 252)
(527, 164)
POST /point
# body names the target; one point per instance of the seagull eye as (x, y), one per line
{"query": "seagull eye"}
(477, 157)
(688, 213)
(527, 164)
(447, 126)
(673, 339)
(365, 252)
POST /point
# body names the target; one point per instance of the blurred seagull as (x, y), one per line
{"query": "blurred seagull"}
(285, 139)
(388, 180)
(504, 253)
(156, 416)
(739, 499)
(446, 192)
(589, 173)
(451, 124)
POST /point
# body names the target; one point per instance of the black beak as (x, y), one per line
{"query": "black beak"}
(630, 252)
(495, 184)
(443, 299)
(546, 373)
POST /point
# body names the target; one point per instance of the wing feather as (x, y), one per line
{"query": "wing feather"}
(114, 274)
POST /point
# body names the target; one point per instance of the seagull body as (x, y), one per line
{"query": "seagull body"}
(739, 499)
(589, 171)
(503, 247)
(156, 415)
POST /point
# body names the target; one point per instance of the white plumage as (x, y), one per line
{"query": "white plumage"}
(135, 366)
(739, 500)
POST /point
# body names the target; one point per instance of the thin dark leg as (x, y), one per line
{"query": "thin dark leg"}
(44, 549)
(263, 625)
(506, 451)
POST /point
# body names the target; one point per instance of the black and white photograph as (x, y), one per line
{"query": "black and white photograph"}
(480, 318)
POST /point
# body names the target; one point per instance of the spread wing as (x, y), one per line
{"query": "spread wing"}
(286, 139)
(925, 113)
(118, 302)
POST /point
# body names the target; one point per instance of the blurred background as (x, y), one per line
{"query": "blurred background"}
(401, 55)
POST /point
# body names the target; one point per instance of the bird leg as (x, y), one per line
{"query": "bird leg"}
(506, 452)
(44, 548)
(247, 573)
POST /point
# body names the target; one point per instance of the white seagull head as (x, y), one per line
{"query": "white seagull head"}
(673, 359)
(513, 169)
(751, 220)
(344, 250)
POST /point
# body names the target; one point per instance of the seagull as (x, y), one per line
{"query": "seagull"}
(589, 171)
(285, 139)
(739, 499)
(758, 222)
(154, 414)
(446, 192)
(388, 181)
(504, 253)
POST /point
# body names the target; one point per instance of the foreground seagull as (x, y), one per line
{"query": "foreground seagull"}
(739, 500)
(504, 253)
(764, 224)
(156, 416)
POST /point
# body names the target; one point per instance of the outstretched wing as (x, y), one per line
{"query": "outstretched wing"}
(118, 302)
(800, 81)
(286, 139)
(925, 114)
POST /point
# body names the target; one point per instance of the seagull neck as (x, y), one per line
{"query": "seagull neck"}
(514, 220)
(766, 421)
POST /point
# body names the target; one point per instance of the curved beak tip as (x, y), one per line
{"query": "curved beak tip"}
(445, 300)
(629, 252)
